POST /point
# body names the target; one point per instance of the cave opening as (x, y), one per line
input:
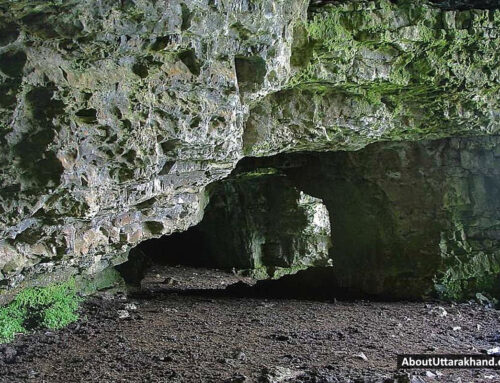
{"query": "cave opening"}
(256, 224)
(389, 231)
(186, 248)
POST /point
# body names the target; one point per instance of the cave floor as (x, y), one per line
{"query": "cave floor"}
(167, 334)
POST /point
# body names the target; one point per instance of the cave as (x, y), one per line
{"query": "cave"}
(256, 222)
(387, 233)
(249, 190)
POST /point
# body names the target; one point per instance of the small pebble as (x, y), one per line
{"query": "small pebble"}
(130, 306)
(362, 356)
(493, 351)
(430, 374)
(122, 314)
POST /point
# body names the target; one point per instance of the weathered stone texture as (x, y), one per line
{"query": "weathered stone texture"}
(115, 115)
(371, 71)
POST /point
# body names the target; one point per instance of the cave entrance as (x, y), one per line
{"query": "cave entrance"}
(187, 248)
(386, 216)
(386, 208)
(256, 224)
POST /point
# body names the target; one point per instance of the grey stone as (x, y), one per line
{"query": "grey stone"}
(115, 116)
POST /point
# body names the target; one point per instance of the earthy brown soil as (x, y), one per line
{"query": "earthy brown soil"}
(174, 336)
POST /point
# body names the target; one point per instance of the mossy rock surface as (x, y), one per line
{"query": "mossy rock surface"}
(116, 115)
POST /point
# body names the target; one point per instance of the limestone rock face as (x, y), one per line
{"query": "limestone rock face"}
(115, 115)
(427, 219)
(261, 222)
(372, 71)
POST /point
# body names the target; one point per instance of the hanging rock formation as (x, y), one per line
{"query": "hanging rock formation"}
(115, 116)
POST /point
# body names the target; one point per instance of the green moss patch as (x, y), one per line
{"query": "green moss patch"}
(404, 44)
(52, 307)
(469, 273)
(405, 54)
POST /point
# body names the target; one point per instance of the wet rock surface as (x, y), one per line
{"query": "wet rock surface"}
(168, 336)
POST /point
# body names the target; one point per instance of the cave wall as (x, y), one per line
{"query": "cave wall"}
(116, 115)
(382, 71)
(409, 219)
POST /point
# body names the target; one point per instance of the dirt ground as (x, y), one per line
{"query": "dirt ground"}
(172, 332)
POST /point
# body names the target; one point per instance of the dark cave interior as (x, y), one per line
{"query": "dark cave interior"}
(255, 221)
(187, 248)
